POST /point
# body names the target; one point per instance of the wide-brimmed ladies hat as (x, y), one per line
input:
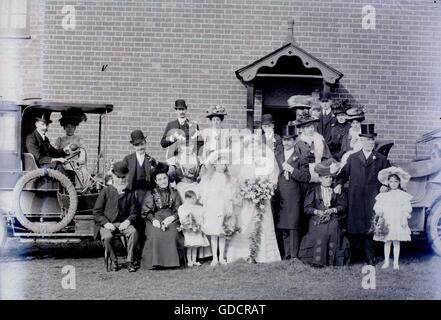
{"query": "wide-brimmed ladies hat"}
(383, 176)
(305, 119)
(355, 113)
(340, 107)
(301, 102)
(216, 111)
(328, 167)
(73, 116)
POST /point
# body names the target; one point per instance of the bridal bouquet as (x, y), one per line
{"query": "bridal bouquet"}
(258, 191)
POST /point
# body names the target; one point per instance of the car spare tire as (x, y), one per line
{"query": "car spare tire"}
(45, 227)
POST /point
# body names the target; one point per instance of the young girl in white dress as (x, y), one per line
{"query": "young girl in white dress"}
(394, 206)
(216, 196)
(191, 218)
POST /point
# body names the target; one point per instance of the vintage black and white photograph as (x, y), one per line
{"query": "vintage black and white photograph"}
(220, 150)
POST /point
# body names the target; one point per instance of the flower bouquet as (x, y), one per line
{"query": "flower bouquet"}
(379, 227)
(258, 191)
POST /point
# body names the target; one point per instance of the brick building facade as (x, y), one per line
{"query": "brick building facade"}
(159, 51)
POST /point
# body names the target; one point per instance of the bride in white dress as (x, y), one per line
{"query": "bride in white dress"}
(258, 161)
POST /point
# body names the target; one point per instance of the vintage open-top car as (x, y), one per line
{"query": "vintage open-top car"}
(38, 204)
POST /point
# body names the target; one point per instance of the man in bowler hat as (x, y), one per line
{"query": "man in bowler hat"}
(117, 210)
(38, 144)
(288, 201)
(361, 169)
(181, 129)
(139, 179)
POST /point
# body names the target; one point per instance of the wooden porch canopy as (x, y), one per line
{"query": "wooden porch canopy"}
(287, 62)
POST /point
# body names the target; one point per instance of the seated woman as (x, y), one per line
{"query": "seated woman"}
(70, 119)
(325, 244)
(164, 247)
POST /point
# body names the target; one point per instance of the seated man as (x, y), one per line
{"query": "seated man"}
(117, 209)
(39, 146)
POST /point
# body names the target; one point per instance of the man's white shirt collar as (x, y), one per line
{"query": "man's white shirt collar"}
(42, 135)
(140, 158)
(366, 154)
(182, 121)
(288, 153)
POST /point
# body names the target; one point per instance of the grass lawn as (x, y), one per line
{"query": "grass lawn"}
(28, 271)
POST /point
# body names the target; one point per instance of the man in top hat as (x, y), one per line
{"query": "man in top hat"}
(339, 129)
(327, 118)
(37, 143)
(181, 129)
(271, 139)
(117, 210)
(361, 169)
(288, 201)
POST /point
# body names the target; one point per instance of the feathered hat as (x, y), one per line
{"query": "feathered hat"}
(72, 116)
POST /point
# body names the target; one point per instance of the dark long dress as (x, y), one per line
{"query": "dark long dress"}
(162, 248)
(324, 244)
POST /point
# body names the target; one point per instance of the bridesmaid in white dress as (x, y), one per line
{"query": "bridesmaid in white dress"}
(258, 161)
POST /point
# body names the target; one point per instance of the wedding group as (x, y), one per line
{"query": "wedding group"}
(319, 192)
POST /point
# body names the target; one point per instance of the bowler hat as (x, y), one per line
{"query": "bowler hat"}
(368, 130)
(120, 169)
(328, 167)
(267, 119)
(180, 104)
(289, 132)
(44, 116)
(137, 137)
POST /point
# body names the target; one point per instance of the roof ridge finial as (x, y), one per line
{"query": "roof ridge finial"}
(290, 38)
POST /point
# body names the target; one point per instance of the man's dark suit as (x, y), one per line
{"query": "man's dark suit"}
(325, 125)
(42, 150)
(149, 165)
(189, 128)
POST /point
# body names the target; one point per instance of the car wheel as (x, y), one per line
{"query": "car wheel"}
(433, 227)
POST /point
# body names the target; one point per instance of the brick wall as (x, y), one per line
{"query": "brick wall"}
(158, 51)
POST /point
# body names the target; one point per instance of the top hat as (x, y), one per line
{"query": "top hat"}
(180, 104)
(289, 132)
(355, 113)
(72, 116)
(368, 130)
(120, 169)
(216, 111)
(328, 167)
(44, 116)
(267, 119)
(383, 176)
(324, 97)
(137, 137)
(304, 119)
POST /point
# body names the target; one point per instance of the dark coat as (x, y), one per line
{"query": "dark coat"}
(189, 131)
(288, 195)
(277, 145)
(106, 208)
(325, 125)
(131, 162)
(363, 188)
(42, 151)
(338, 132)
